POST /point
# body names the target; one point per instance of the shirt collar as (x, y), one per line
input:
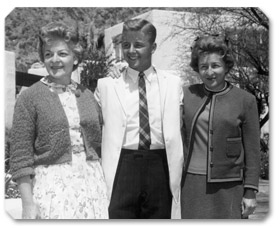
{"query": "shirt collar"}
(133, 74)
(47, 81)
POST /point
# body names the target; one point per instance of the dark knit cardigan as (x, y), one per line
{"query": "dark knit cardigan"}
(40, 132)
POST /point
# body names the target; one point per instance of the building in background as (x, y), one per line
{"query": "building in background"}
(173, 47)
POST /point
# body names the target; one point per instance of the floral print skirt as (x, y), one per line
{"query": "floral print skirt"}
(74, 190)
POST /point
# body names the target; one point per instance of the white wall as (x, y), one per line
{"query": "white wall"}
(10, 87)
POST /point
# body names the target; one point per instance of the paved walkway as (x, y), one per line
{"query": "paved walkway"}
(262, 209)
(13, 208)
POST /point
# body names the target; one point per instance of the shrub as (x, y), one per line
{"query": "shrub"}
(264, 174)
(96, 63)
(11, 189)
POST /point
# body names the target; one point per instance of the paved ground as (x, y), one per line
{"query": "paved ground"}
(13, 206)
(262, 209)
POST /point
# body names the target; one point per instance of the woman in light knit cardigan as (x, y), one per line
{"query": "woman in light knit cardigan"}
(56, 136)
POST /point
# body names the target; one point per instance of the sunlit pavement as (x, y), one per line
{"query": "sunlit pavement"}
(262, 209)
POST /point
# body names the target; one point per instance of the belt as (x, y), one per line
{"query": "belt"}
(144, 153)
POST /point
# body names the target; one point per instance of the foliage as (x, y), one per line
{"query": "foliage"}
(21, 27)
(265, 157)
(247, 30)
(250, 45)
(23, 23)
(95, 66)
(11, 190)
(7, 149)
(96, 62)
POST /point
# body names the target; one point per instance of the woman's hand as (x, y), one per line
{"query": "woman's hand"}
(248, 206)
(30, 211)
(116, 70)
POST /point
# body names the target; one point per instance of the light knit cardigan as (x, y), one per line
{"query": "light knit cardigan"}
(40, 131)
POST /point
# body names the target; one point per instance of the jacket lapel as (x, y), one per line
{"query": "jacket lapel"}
(162, 81)
(120, 90)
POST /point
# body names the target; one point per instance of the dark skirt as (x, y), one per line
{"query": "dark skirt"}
(201, 200)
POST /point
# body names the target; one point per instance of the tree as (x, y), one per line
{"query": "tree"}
(247, 30)
(23, 23)
(22, 26)
(250, 43)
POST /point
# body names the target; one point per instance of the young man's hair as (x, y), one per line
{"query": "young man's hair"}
(141, 25)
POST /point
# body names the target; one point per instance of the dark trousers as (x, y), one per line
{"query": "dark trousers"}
(141, 186)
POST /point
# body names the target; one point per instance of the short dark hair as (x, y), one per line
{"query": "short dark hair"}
(60, 30)
(141, 24)
(211, 44)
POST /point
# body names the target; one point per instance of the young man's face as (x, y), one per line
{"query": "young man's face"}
(137, 50)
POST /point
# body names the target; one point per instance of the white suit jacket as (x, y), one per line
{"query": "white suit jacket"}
(110, 94)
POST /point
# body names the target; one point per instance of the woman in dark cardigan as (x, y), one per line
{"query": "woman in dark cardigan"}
(56, 137)
(222, 151)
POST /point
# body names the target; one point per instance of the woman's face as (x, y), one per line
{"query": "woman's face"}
(59, 61)
(212, 71)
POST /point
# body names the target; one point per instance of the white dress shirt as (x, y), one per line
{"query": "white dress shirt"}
(131, 138)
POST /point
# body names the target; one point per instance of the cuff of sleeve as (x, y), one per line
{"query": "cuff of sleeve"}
(22, 172)
(250, 193)
(256, 188)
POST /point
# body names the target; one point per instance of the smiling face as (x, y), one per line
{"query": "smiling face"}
(59, 60)
(137, 50)
(212, 71)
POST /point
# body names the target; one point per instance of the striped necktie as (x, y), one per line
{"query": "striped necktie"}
(144, 126)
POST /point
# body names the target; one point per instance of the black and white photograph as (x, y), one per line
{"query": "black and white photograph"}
(143, 112)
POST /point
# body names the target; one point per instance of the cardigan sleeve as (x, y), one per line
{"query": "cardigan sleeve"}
(23, 137)
(251, 142)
